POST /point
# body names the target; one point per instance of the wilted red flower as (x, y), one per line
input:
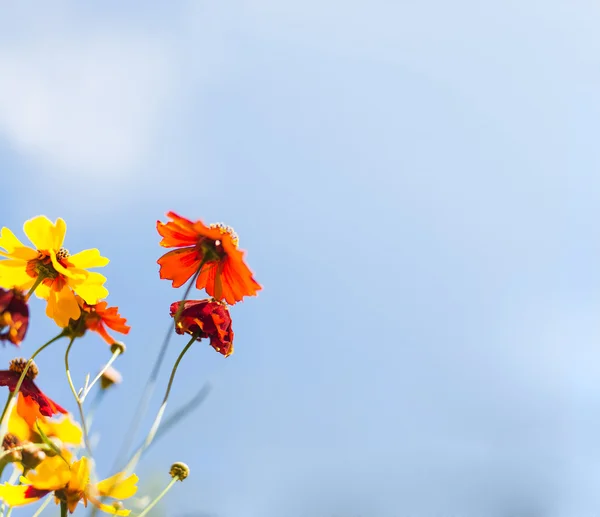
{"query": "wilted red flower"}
(208, 319)
(11, 377)
(14, 315)
(224, 274)
(97, 317)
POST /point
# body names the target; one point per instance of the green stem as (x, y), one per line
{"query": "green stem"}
(97, 378)
(151, 382)
(152, 433)
(63, 509)
(40, 278)
(158, 498)
(86, 439)
(5, 413)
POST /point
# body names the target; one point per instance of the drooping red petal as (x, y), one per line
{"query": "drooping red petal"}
(35, 493)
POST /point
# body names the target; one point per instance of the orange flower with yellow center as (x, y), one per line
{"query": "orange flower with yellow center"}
(70, 482)
(50, 269)
(212, 249)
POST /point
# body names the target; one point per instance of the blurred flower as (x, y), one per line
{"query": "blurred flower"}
(97, 317)
(27, 454)
(49, 263)
(70, 482)
(14, 316)
(26, 416)
(206, 319)
(28, 388)
(110, 377)
(224, 274)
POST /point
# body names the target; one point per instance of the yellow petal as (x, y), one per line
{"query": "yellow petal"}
(66, 430)
(92, 289)
(14, 247)
(117, 487)
(75, 273)
(80, 475)
(13, 274)
(109, 508)
(41, 232)
(42, 291)
(88, 258)
(18, 426)
(51, 474)
(58, 234)
(14, 495)
(63, 306)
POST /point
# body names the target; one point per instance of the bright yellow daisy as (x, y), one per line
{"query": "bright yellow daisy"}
(50, 269)
(70, 482)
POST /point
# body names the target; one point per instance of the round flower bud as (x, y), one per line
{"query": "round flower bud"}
(110, 377)
(179, 470)
(118, 346)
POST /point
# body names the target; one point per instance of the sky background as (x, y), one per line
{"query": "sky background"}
(416, 184)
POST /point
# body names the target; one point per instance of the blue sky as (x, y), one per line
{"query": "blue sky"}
(416, 185)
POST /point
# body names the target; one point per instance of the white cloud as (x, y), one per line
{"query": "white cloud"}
(84, 104)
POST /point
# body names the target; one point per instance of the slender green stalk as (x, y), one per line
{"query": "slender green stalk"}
(86, 439)
(63, 509)
(151, 382)
(5, 412)
(158, 498)
(97, 378)
(153, 430)
(42, 507)
(35, 285)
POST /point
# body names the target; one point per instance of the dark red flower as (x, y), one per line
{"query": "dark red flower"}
(14, 316)
(206, 319)
(11, 377)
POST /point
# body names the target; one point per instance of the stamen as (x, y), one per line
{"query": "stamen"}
(18, 365)
(224, 229)
(62, 253)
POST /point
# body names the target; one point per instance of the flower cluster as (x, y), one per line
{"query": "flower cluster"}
(41, 440)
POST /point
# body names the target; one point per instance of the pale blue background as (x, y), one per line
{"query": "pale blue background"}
(417, 187)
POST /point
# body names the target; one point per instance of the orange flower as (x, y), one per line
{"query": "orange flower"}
(97, 317)
(214, 249)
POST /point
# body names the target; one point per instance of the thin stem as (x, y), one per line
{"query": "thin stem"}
(151, 382)
(42, 507)
(136, 457)
(158, 498)
(5, 413)
(63, 509)
(97, 378)
(40, 278)
(86, 439)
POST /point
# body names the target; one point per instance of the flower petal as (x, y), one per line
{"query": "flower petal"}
(14, 247)
(88, 258)
(117, 487)
(91, 289)
(80, 475)
(51, 474)
(43, 233)
(62, 306)
(19, 495)
(179, 265)
(13, 274)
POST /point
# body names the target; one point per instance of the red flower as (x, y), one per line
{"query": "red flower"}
(97, 317)
(14, 316)
(206, 319)
(11, 377)
(224, 274)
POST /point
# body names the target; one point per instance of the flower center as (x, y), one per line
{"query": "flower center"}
(224, 229)
(62, 253)
(18, 365)
(42, 266)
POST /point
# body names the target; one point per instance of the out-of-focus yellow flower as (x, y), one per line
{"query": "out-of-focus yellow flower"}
(59, 272)
(26, 416)
(70, 482)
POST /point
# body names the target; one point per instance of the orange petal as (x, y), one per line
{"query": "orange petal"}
(179, 265)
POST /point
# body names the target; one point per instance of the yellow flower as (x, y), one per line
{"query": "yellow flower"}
(70, 482)
(49, 263)
(26, 416)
